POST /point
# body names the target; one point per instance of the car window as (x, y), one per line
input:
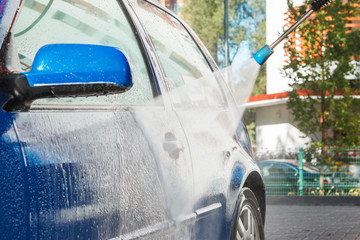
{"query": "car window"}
(276, 170)
(100, 22)
(189, 76)
(282, 169)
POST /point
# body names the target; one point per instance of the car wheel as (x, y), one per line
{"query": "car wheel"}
(248, 224)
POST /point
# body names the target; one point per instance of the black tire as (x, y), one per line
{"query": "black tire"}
(248, 211)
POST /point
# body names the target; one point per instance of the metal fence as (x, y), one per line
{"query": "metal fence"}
(328, 171)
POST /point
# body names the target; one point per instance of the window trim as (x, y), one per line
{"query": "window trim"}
(126, 7)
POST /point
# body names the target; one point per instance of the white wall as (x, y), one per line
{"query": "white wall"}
(275, 10)
(274, 131)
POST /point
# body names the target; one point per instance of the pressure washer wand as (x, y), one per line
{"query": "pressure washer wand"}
(264, 53)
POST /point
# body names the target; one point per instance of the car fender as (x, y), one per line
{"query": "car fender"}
(244, 173)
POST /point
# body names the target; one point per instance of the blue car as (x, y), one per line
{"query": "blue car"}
(116, 124)
(282, 177)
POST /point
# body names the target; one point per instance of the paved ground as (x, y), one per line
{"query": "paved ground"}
(298, 222)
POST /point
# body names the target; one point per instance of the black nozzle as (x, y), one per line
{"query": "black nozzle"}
(318, 4)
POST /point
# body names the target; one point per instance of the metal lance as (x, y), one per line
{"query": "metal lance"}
(264, 53)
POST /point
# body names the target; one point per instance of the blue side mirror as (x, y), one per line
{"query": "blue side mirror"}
(78, 64)
(64, 70)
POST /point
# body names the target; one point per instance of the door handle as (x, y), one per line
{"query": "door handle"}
(172, 146)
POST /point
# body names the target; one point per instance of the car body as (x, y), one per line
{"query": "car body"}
(115, 124)
(281, 176)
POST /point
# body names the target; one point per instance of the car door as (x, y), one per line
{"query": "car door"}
(203, 110)
(99, 167)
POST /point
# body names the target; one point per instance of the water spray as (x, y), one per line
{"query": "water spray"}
(264, 53)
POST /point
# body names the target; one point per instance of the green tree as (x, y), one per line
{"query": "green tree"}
(206, 17)
(320, 61)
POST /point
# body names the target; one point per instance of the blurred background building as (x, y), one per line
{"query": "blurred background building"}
(173, 5)
(275, 126)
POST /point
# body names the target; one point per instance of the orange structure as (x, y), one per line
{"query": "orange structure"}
(354, 22)
(303, 46)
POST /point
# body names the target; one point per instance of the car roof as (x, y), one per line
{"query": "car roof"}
(294, 163)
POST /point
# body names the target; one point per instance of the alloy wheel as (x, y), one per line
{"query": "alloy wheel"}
(247, 225)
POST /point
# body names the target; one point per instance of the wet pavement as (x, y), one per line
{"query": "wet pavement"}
(312, 222)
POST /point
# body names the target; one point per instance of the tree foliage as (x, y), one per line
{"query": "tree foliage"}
(246, 23)
(322, 54)
(205, 18)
